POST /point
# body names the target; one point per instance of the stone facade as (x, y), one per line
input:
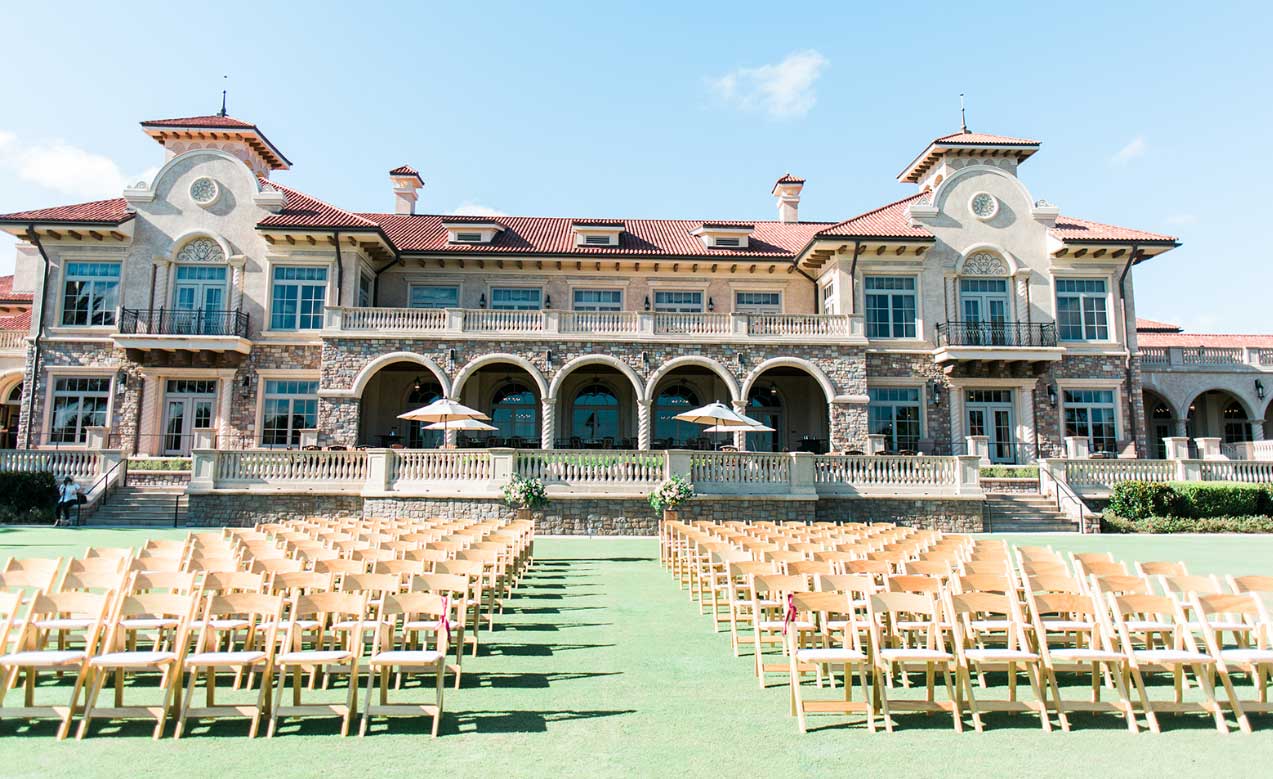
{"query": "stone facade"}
(241, 509)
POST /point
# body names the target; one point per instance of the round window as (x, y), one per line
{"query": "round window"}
(984, 205)
(204, 191)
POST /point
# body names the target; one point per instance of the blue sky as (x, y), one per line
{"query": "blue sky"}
(1153, 115)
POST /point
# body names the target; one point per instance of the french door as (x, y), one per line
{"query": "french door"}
(984, 308)
(990, 413)
(200, 300)
(188, 406)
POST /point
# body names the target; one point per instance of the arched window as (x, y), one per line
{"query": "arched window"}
(1161, 425)
(595, 414)
(515, 412)
(674, 400)
(764, 405)
(1236, 427)
(422, 394)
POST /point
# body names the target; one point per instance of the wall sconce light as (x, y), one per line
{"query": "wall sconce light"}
(647, 302)
(1259, 389)
(739, 357)
(711, 304)
(450, 358)
(481, 301)
(548, 359)
(935, 388)
(245, 387)
(1052, 395)
(123, 379)
(645, 359)
(548, 301)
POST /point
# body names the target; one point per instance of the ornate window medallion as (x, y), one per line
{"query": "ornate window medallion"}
(204, 191)
(983, 205)
(201, 250)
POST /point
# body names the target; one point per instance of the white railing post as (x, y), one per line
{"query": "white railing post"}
(738, 324)
(334, 318)
(802, 474)
(979, 446)
(455, 320)
(503, 466)
(875, 443)
(1177, 447)
(96, 438)
(968, 475)
(1189, 470)
(678, 463)
(552, 321)
(204, 438)
(203, 469)
(1076, 447)
(645, 322)
(309, 437)
(1209, 448)
(379, 468)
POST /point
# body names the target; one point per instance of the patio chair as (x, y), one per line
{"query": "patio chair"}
(396, 650)
(970, 615)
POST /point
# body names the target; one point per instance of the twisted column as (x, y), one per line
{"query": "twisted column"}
(548, 423)
(643, 424)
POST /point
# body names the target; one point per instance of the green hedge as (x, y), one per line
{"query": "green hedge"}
(1009, 471)
(1138, 500)
(1112, 523)
(161, 464)
(27, 498)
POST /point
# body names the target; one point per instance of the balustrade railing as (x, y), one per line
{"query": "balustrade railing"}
(13, 340)
(287, 466)
(496, 321)
(78, 464)
(1247, 471)
(740, 468)
(1154, 355)
(935, 473)
(1212, 355)
(419, 465)
(1004, 334)
(601, 322)
(811, 325)
(668, 323)
(381, 319)
(1107, 473)
(579, 467)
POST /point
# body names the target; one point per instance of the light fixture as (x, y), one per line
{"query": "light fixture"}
(1259, 389)
(711, 304)
(739, 357)
(548, 301)
(935, 388)
(123, 379)
(645, 359)
(481, 300)
(450, 358)
(647, 302)
(245, 387)
(1052, 395)
(548, 359)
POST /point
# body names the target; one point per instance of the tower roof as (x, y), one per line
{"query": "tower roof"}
(1021, 148)
(217, 127)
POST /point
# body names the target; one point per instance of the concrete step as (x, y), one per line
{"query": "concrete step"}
(1018, 513)
(142, 507)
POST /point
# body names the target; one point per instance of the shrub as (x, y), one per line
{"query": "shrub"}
(522, 493)
(1112, 523)
(27, 497)
(1010, 472)
(1140, 499)
(160, 464)
(1220, 500)
(671, 493)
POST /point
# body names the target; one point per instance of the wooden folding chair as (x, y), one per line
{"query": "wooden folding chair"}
(889, 650)
(396, 650)
(1254, 661)
(769, 624)
(820, 608)
(295, 659)
(967, 611)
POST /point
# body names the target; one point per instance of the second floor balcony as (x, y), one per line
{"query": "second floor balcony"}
(997, 340)
(619, 325)
(1210, 358)
(169, 329)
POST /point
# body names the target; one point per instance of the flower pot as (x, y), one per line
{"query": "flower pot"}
(521, 514)
(670, 515)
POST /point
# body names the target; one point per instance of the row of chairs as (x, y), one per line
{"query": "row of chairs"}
(880, 601)
(268, 605)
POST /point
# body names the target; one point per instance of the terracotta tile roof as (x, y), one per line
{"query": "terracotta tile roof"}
(787, 178)
(305, 211)
(531, 235)
(1154, 326)
(19, 321)
(7, 295)
(915, 170)
(984, 139)
(1068, 228)
(404, 170)
(1195, 340)
(102, 212)
(890, 221)
(212, 121)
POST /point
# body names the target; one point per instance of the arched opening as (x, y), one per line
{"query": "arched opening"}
(394, 389)
(1268, 420)
(511, 397)
(793, 402)
(1218, 414)
(1161, 421)
(200, 289)
(672, 398)
(10, 413)
(596, 405)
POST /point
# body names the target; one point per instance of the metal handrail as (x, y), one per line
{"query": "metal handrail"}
(977, 333)
(1083, 510)
(107, 485)
(180, 321)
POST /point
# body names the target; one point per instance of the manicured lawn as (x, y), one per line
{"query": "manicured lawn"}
(602, 667)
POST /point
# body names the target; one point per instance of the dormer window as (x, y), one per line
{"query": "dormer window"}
(724, 235)
(468, 229)
(597, 233)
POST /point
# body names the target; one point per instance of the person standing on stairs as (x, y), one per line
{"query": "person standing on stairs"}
(68, 496)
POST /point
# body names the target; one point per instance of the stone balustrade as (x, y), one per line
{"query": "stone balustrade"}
(1156, 358)
(13, 341)
(79, 464)
(629, 325)
(619, 473)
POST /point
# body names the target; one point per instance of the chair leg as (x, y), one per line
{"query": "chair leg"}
(65, 728)
(98, 679)
(366, 713)
(1235, 703)
(441, 689)
(185, 704)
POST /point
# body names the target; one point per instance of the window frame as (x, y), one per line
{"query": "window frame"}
(412, 287)
(702, 299)
(51, 395)
(752, 308)
(1107, 303)
(272, 269)
(1114, 405)
(574, 301)
(490, 297)
(915, 327)
(284, 377)
(68, 277)
(893, 405)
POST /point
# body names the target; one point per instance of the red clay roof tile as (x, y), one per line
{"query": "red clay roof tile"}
(303, 210)
(213, 120)
(7, 295)
(103, 212)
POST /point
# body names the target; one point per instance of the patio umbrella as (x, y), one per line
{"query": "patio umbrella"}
(445, 411)
(718, 415)
(462, 424)
(757, 428)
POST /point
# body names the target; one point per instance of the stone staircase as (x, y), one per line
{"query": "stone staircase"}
(1026, 513)
(141, 507)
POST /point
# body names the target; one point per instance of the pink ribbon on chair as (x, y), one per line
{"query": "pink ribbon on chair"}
(445, 622)
(790, 616)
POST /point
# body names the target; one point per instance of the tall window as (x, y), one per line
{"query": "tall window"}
(299, 292)
(1236, 427)
(90, 293)
(678, 301)
(290, 407)
(595, 415)
(515, 412)
(674, 400)
(365, 285)
(894, 413)
(890, 307)
(1081, 312)
(515, 298)
(1092, 415)
(598, 300)
(428, 296)
(758, 302)
(764, 405)
(78, 404)
(828, 297)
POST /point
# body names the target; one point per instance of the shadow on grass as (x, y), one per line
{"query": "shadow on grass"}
(540, 650)
(528, 721)
(531, 681)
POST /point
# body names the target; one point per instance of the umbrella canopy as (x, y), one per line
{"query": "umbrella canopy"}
(717, 414)
(443, 410)
(461, 424)
(757, 428)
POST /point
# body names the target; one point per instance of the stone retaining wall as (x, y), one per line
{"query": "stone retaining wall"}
(158, 478)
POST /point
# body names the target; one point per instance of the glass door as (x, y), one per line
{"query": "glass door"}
(200, 300)
(187, 407)
(990, 413)
(984, 306)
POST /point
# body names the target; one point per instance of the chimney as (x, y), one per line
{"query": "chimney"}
(787, 190)
(406, 185)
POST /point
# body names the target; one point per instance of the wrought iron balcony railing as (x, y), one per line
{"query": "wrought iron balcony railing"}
(170, 321)
(1003, 334)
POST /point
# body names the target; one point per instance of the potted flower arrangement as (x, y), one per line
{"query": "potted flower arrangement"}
(525, 495)
(670, 494)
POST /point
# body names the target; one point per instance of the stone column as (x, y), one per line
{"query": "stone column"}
(1257, 429)
(338, 420)
(643, 424)
(1179, 428)
(236, 281)
(162, 264)
(848, 423)
(740, 438)
(548, 423)
(224, 431)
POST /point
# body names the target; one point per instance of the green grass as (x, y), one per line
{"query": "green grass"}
(603, 667)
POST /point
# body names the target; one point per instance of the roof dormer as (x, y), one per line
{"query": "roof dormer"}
(598, 233)
(724, 235)
(470, 229)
